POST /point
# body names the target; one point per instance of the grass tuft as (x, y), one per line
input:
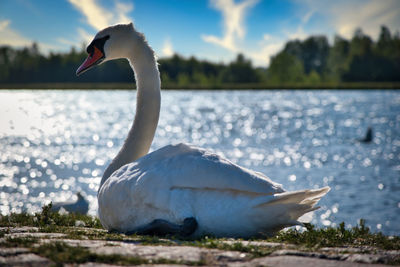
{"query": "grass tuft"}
(220, 243)
(359, 235)
(48, 219)
(14, 242)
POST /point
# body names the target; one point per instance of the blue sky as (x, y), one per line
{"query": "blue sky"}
(215, 30)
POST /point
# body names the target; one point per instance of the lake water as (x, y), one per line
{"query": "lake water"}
(56, 143)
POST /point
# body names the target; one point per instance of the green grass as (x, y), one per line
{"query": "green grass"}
(357, 236)
(48, 220)
(60, 253)
(14, 242)
(3, 233)
(313, 238)
(220, 243)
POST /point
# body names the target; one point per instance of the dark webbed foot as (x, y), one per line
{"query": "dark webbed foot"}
(162, 227)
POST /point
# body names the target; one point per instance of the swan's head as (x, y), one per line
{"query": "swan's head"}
(109, 43)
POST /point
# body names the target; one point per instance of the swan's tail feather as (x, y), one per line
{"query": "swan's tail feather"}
(306, 197)
(286, 208)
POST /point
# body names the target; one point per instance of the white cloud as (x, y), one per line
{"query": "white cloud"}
(66, 42)
(370, 15)
(82, 38)
(234, 31)
(167, 49)
(271, 45)
(12, 37)
(307, 16)
(99, 17)
(298, 33)
(4, 24)
(267, 37)
(346, 16)
(85, 36)
(122, 10)
(233, 17)
(267, 47)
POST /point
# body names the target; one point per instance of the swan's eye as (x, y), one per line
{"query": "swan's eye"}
(90, 50)
(99, 43)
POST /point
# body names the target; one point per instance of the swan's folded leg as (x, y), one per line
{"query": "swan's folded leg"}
(162, 227)
(189, 226)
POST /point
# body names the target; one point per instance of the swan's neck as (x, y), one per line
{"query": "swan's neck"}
(141, 134)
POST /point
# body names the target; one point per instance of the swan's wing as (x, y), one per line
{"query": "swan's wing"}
(154, 186)
(188, 167)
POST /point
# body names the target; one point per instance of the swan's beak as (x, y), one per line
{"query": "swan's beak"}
(91, 60)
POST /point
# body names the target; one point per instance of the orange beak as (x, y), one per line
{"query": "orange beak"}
(90, 61)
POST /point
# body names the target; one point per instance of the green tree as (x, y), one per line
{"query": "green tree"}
(240, 71)
(313, 78)
(362, 61)
(183, 79)
(338, 59)
(285, 68)
(387, 53)
(312, 53)
(311, 61)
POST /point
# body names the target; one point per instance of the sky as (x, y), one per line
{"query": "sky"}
(215, 30)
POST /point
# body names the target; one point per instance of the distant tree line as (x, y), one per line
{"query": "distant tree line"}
(357, 60)
(312, 61)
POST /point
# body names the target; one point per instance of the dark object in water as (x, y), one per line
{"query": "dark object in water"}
(368, 136)
(80, 206)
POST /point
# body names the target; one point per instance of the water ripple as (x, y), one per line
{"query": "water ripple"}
(54, 144)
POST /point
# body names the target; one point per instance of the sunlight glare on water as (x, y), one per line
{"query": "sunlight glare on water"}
(57, 143)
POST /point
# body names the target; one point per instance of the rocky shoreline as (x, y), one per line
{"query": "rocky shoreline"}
(81, 246)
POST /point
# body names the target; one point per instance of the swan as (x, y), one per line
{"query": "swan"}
(181, 189)
(80, 206)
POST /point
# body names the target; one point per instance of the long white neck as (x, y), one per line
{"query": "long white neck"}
(148, 99)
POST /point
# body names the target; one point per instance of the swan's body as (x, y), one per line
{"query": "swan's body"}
(178, 182)
(181, 181)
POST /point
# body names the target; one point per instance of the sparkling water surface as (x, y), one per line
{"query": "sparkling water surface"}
(54, 144)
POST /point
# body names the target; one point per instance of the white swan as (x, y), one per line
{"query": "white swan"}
(181, 189)
(79, 206)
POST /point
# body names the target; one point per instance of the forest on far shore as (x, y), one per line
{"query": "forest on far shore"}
(313, 61)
